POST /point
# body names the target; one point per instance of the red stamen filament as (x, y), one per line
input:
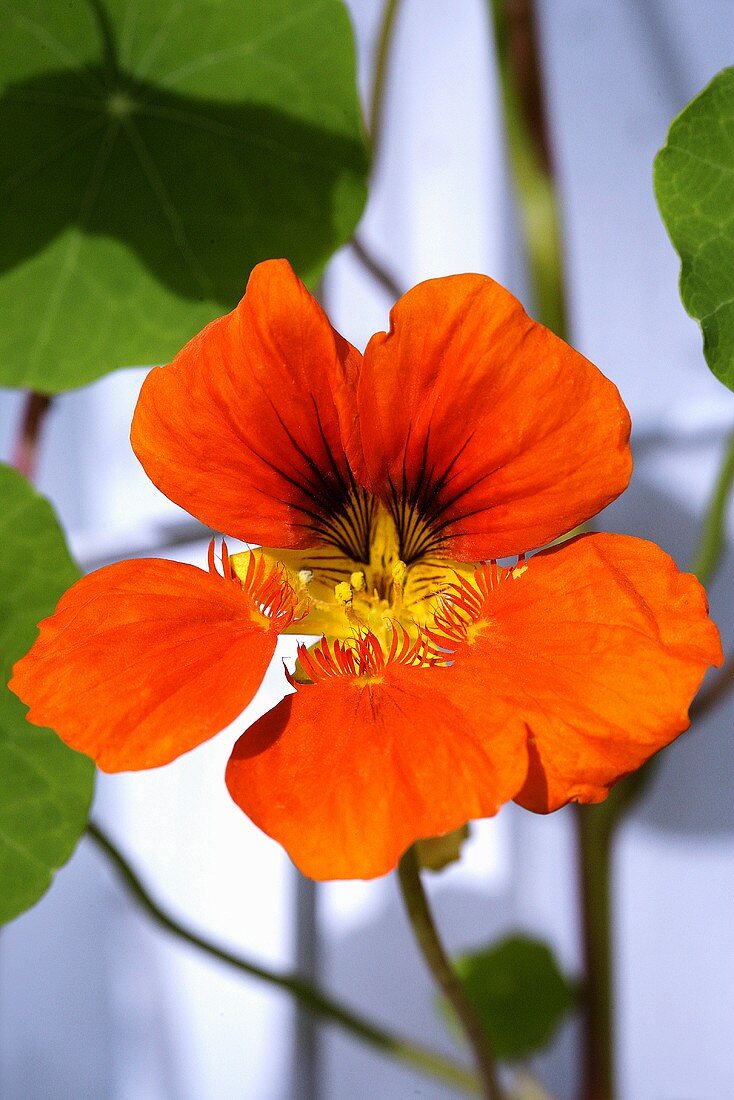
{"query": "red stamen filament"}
(363, 657)
(267, 590)
(465, 602)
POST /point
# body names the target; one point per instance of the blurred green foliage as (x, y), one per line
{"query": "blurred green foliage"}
(153, 152)
(46, 788)
(520, 992)
(694, 187)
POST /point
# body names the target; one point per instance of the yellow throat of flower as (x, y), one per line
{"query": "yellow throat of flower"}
(345, 595)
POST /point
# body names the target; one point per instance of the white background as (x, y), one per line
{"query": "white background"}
(93, 1004)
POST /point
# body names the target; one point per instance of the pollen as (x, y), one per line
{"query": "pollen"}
(357, 581)
(305, 576)
(343, 592)
(399, 571)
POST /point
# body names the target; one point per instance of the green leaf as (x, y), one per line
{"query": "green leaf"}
(45, 788)
(694, 187)
(153, 152)
(520, 993)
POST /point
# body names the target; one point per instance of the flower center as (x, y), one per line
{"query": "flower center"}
(374, 596)
(362, 573)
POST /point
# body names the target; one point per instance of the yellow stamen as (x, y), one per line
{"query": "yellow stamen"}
(343, 592)
(399, 571)
(374, 592)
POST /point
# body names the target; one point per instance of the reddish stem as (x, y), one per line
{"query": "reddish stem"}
(25, 455)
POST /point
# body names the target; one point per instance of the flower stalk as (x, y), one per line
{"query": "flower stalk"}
(528, 147)
(594, 829)
(375, 121)
(375, 268)
(379, 80)
(713, 533)
(446, 978)
(33, 416)
(530, 160)
(306, 994)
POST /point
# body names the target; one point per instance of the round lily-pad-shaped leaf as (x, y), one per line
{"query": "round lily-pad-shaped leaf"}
(694, 187)
(46, 788)
(520, 992)
(153, 152)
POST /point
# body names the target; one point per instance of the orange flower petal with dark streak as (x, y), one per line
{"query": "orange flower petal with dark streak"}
(595, 648)
(242, 429)
(349, 771)
(482, 432)
(498, 434)
(144, 660)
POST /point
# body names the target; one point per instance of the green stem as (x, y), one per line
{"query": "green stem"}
(705, 564)
(532, 172)
(625, 794)
(382, 276)
(713, 533)
(377, 270)
(424, 930)
(379, 80)
(594, 835)
(597, 825)
(530, 163)
(322, 1006)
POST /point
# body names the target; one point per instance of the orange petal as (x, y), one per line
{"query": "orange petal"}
(144, 660)
(243, 427)
(500, 435)
(348, 772)
(596, 649)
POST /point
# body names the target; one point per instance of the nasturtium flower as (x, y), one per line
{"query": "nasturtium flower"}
(382, 489)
